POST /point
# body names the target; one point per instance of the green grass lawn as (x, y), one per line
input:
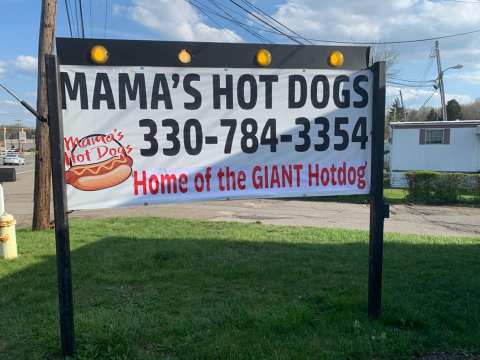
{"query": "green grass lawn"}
(170, 289)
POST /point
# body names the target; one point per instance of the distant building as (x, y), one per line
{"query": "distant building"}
(449, 146)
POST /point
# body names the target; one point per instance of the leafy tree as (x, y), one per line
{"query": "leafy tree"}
(432, 116)
(454, 110)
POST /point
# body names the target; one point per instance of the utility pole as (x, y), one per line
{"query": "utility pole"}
(41, 190)
(19, 123)
(403, 107)
(440, 82)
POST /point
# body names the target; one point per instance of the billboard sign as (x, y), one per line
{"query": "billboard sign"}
(197, 121)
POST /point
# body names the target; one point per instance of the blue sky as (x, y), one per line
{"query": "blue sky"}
(351, 20)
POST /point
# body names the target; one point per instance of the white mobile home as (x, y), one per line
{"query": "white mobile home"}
(450, 146)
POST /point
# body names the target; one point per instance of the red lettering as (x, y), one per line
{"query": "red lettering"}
(137, 183)
(182, 183)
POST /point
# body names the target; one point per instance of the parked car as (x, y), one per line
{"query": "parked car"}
(13, 159)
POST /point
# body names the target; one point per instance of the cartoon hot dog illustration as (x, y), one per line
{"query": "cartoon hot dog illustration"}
(97, 161)
(100, 175)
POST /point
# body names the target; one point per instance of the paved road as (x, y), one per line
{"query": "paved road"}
(445, 220)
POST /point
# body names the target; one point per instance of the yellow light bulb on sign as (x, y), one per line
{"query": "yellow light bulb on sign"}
(184, 56)
(263, 57)
(336, 59)
(99, 54)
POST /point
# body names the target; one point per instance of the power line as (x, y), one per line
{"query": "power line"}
(296, 36)
(81, 17)
(252, 6)
(411, 81)
(398, 41)
(68, 18)
(76, 17)
(106, 17)
(90, 18)
(230, 18)
(205, 10)
(293, 38)
(428, 99)
(431, 58)
(408, 85)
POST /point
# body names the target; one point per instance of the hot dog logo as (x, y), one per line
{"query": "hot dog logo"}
(93, 168)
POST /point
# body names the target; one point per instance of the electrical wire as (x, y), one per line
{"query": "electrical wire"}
(411, 81)
(90, 18)
(106, 17)
(68, 18)
(205, 10)
(428, 99)
(230, 18)
(254, 7)
(76, 18)
(81, 17)
(296, 37)
(293, 38)
(408, 85)
(431, 57)
(465, 33)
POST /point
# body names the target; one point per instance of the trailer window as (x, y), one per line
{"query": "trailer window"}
(434, 136)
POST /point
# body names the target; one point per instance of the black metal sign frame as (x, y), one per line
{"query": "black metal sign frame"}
(75, 52)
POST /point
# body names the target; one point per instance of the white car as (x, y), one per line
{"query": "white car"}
(13, 159)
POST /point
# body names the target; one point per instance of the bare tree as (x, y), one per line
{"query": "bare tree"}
(388, 54)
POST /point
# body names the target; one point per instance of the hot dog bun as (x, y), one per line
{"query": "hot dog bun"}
(100, 175)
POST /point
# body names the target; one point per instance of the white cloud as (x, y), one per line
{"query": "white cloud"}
(471, 74)
(414, 98)
(373, 20)
(2, 68)
(9, 102)
(175, 20)
(26, 63)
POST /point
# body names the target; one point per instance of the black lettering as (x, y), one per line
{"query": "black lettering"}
(292, 102)
(242, 80)
(325, 92)
(102, 81)
(342, 104)
(360, 91)
(190, 90)
(161, 81)
(227, 91)
(138, 88)
(268, 80)
(79, 83)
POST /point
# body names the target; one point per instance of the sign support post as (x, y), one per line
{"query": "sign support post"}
(62, 237)
(136, 154)
(378, 209)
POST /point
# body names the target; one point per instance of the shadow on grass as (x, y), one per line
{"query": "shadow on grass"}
(157, 297)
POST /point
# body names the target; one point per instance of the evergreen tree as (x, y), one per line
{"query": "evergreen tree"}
(395, 113)
(432, 116)
(454, 110)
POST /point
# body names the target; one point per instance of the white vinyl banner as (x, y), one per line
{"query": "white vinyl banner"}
(145, 135)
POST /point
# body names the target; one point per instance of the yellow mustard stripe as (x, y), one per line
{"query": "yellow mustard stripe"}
(82, 171)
